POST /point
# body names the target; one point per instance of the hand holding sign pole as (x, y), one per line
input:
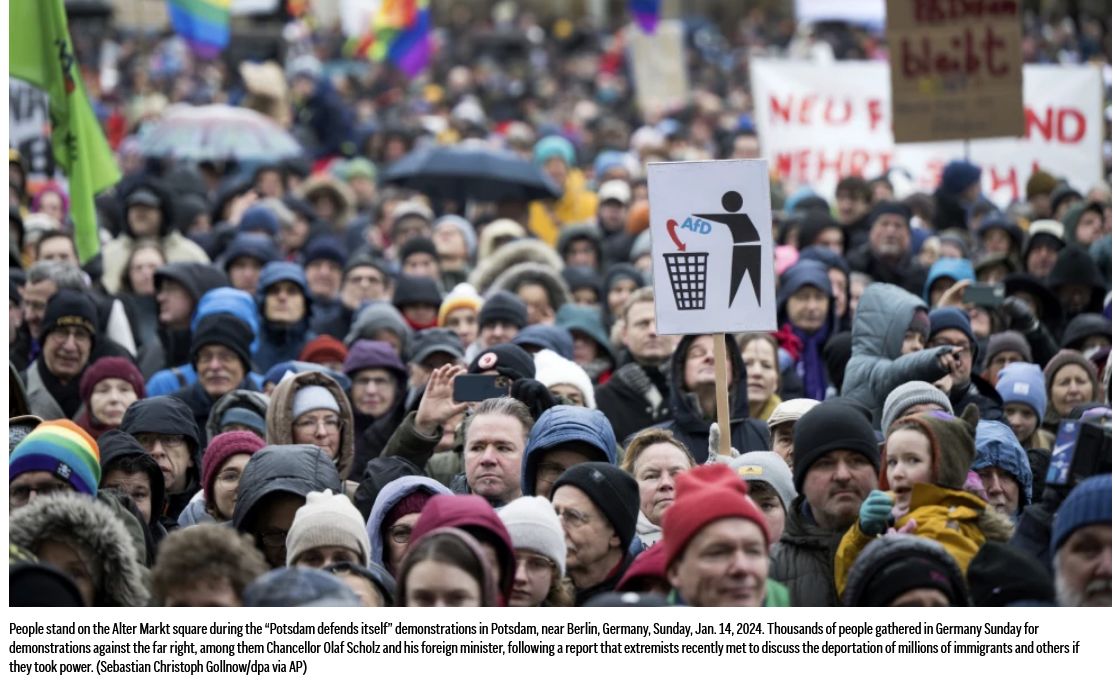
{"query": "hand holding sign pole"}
(691, 260)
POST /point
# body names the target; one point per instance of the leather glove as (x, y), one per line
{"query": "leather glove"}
(874, 512)
(534, 394)
(1019, 315)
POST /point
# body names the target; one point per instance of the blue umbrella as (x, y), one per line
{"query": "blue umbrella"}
(471, 171)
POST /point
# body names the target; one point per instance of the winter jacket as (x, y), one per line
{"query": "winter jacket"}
(907, 274)
(803, 559)
(169, 416)
(577, 204)
(280, 342)
(534, 273)
(249, 399)
(634, 398)
(565, 424)
(690, 426)
(294, 469)
(777, 596)
(385, 501)
(97, 531)
(957, 519)
(583, 596)
(280, 415)
(877, 365)
(980, 393)
(522, 252)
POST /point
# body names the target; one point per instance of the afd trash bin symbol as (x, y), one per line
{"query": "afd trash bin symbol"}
(688, 271)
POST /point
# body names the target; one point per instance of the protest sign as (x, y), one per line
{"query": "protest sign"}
(818, 123)
(29, 129)
(867, 12)
(658, 63)
(955, 70)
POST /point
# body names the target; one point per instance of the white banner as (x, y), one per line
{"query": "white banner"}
(818, 123)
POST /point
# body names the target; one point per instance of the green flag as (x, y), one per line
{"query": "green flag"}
(42, 54)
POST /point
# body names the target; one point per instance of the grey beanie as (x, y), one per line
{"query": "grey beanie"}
(908, 395)
(768, 467)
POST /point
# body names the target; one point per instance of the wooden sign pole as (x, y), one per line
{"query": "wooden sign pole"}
(723, 415)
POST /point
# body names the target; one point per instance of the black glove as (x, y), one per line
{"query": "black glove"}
(534, 394)
(1019, 315)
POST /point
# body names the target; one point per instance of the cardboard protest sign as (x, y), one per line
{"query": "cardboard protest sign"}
(657, 62)
(712, 248)
(955, 69)
(818, 123)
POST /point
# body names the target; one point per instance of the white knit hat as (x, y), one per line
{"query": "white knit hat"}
(533, 525)
(551, 368)
(327, 520)
(313, 397)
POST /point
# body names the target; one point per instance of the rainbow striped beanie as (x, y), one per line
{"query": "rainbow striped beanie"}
(61, 448)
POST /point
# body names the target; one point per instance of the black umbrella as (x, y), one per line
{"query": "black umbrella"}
(471, 172)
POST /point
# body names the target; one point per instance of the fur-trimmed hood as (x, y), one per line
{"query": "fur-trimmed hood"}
(97, 532)
(540, 273)
(489, 269)
(280, 414)
(342, 195)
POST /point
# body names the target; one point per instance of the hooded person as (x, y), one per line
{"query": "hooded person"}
(592, 350)
(149, 214)
(165, 428)
(327, 530)
(904, 570)
(311, 409)
(555, 338)
(476, 517)
(599, 506)
(396, 509)
(86, 540)
(68, 336)
(379, 385)
(179, 288)
(540, 551)
(620, 282)
(245, 257)
(221, 355)
(887, 256)
(108, 387)
(380, 321)
(494, 236)
(951, 326)
(1003, 468)
(839, 275)
(540, 287)
(581, 245)
(221, 468)
(1086, 332)
(274, 484)
(1071, 380)
(565, 378)
(127, 469)
(448, 567)
(1045, 239)
(364, 280)
(943, 274)
(807, 312)
(239, 410)
(692, 398)
(564, 436)
(373, 585)
(927, 473)
(1077, 282)
(887, 321)
(557, 158)
(713, 514)
(284, 305)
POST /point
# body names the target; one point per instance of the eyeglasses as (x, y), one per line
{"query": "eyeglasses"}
(400, 534)
(571, 517)
(21, 495)
(377, 381)
(169, 442)
(80, 335)
(535, 564)
(331, 423)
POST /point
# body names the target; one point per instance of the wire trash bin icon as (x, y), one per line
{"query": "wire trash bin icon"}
(688, 272)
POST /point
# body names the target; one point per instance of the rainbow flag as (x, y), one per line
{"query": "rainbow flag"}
(645, 13)
(203, 23)
(400, 34)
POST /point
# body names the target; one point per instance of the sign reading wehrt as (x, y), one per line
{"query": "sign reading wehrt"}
(710, 225)
(956, 68)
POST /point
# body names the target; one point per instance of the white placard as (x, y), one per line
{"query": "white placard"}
(710, 226)
(818, 123)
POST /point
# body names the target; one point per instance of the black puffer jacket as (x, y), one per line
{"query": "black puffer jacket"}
(689, 424)
(295, 469)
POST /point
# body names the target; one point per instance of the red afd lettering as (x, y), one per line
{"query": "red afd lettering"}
(1063, 125)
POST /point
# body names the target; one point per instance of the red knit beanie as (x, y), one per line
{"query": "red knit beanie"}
(705, 494)
(111, 367)
(221, 447)
(324, 349)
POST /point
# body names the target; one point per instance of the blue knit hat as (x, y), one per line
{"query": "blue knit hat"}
(952, 317)
(259, 218)
(1088, 503)
(554, 146)
(959, 175)
(1023, 383)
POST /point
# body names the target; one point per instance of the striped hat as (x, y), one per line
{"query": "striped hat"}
(61, 448)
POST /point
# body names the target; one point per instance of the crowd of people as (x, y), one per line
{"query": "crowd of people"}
(249, 397)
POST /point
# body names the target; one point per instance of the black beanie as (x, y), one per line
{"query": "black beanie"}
(414, 289)
(417, 245)
(832, 425)
(69, 307)
(611, 489)
(1000, 575)
(503, 306)
(223, 329)
(508, 359)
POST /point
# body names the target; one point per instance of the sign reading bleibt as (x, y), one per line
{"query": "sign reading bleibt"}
(710, 225)
(956, 69)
